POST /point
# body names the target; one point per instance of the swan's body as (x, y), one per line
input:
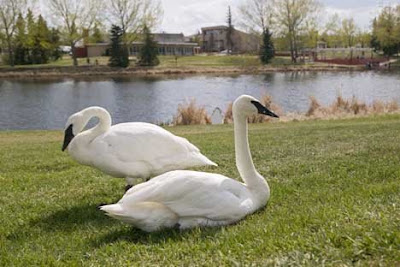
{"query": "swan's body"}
(128, 150)
(188, 199)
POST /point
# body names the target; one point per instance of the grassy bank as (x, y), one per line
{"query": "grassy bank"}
(172, 61)
(335, 199)
(168, 65)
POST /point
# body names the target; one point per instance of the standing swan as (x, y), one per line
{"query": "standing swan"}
(129, 150)
(188, 199)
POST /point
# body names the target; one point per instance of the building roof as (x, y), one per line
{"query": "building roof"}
(219, 27)
(139, 43)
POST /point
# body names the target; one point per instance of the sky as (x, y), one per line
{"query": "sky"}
(188, 16)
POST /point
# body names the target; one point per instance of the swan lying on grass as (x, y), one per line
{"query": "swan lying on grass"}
(129, 150)
(188, 199)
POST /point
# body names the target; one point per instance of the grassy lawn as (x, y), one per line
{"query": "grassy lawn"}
(241, 61)
(335, 200)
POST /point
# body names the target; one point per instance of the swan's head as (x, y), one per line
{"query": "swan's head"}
(74, 126)
(247, 105)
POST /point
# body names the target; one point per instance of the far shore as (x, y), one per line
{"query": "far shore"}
(105, 71)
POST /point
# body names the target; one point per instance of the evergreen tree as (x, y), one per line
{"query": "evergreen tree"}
(229, 31)
(42, 47)
(20, 42)
(30, 36)
(55, 41)
(149, 52)
(97, 35)
(119, 54)
(267, 48)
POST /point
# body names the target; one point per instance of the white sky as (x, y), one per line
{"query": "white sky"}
(188, 16)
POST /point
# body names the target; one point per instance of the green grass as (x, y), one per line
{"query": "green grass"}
(241, 61)
(210, 61)
(335, 200)
(64, 61)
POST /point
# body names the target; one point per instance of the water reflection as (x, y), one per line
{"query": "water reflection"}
(47, 104)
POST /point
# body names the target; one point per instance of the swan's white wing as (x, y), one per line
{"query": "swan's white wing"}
(194, 194)
(151, 145)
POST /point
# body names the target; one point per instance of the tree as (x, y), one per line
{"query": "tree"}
(97, 35)
(133, 14)
(386, 31)
(267, 48)
(119, 55)
(41, 48)
(256, 15)
(229, 31)
(331, 31)
(149, 52)
(55, 41)
(20, 53)
(290, 16)
(74, 16)
(34, 42)
(348, 32)
(9, 11)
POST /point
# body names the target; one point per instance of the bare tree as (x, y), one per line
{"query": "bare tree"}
(256, 15)
(348, 32)
(75, 17)
(9, 10)
(132, 15)
(291, 16)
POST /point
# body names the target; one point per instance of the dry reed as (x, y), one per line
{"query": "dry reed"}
(190, 114)
(343, 107)
(266, 100)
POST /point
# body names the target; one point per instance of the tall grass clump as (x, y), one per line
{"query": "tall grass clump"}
(344, 107)
(190, 114)
(228, 117)
(266, 100)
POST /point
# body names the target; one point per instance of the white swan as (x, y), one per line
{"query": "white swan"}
(188, 199)
(128, 150)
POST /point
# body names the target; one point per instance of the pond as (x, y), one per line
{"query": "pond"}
(38, 104)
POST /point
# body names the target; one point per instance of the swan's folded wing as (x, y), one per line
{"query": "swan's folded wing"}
(150, 141)
(194, 194)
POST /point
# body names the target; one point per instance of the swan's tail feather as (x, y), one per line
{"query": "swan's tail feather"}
(205, 161)
(113, 210)
(147, 216)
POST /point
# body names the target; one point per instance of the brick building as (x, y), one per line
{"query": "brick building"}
(215, 39)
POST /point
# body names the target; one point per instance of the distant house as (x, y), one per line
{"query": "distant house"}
(215, 39)
(168, 44)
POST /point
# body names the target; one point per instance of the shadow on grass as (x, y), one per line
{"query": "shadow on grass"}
(72, 218)
(134, 235)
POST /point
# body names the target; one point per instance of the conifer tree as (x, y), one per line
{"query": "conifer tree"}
(267, 47)
(149, 52)
(30, 36)
(229, 32)
(55, 41)
(20, 42)
(118, 54)
(97, 36)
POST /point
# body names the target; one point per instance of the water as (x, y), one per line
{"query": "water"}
(47, 104)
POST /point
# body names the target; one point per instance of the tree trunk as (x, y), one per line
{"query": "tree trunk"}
(74, 58)
(295, 48)
(292, 55)
(10, 52)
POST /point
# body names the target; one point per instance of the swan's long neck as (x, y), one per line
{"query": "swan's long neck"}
(244, 162)
(103, 125)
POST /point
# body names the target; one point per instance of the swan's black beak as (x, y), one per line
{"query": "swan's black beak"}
(67, 137)
(263, 110)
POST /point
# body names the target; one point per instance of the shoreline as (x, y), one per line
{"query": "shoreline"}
(109, 72)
